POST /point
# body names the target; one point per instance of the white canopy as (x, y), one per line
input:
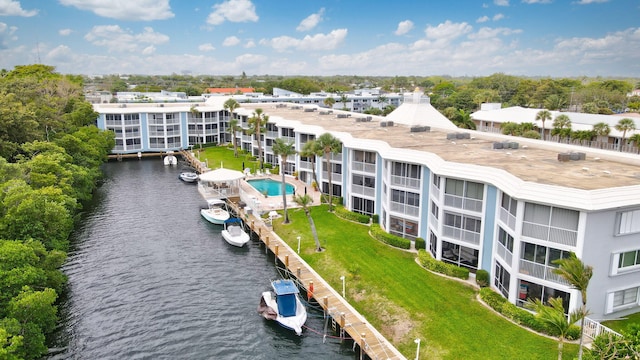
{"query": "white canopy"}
(221, 175)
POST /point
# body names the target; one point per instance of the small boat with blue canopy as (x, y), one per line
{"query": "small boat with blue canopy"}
(286, 307)
(233, 232)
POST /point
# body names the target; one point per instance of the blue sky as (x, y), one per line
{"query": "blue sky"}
(333, 37)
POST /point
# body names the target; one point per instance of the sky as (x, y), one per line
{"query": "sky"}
(557, 38)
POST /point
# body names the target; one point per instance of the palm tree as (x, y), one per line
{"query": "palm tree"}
(284, 150)
(625, 125)
(329, 145)
(554, 102)
(304, 201)
(543, 115)
(381, 100)
(231, 105)
(635, 138)
(329, 101)
(553, 317)
(464, 120)
(257, 125)
(561, 126)
(311, 150)
(344, 100)
(578, 275)
(601, 129)
(194, 113)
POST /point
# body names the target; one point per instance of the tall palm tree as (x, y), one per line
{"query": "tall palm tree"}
(635, 138)
(329, 101)
(311, 150)
(553, 316)
(329, 145)
(578, 276)
(381, 100)
(234, 127)
(231, 105)
(304, 201)
(464, 120)
(543, 115)
(624, 125)
(561, 126)
(257, 125)
(284, 150)
(344, 100)
(601, 129)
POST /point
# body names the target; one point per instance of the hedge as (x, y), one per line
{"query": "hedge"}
(393, 240)
(420, 243)
(343, 213)
(521, 316)
(426, 260)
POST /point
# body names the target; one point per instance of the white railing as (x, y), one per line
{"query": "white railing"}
(405, 209)
(363, 190)
(505, 254)
(593, 328)
(433, 221)
(405, 182)
(435, 192)
(463, 203)
(305, 165)
(550, 233)
(363, 167)
(507, 218)
(540, 271)
(467, 236)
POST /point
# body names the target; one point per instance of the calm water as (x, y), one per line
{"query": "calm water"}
(272, 187)
(150, 279)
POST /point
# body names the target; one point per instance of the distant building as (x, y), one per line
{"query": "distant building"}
(229, 91)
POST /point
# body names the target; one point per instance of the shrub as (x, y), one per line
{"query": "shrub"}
(426, 260)
(420, 243)
(376, 218)
(343, 213)
(393, 240)
(482, 278)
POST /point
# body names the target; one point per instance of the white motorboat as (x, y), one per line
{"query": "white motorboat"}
(234, 234)
(286, 308)
(188, 176)
(170, 159)
(216, 213)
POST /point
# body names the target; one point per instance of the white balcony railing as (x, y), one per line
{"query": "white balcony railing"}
(467, 236)
(435, 192)
(363, 190)
(507, 218)
(540, 271)
(460, 202)
(405, 209)
(363, 167)
(405, 182)
(593, 328)
(504, 254)
(550, 233)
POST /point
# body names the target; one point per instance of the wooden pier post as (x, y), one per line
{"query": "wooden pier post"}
(325, 300)
(362, 345)
(341, 326)
(298, 272)
(275, 252)
(266, 242)
(286, 261)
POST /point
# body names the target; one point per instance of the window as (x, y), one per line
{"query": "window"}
(551, 224)
(433, 243)
(530, 291)
(434, 210)
(460, 255)
(509, 204)
(629, 222)
(502, 279)
(628, 259)
(505, 239)
(436, 181)
(454, 187)
(363, 206)
(625, 297)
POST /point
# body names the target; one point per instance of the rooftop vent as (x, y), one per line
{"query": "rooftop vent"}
(386, 123)
(420, 128)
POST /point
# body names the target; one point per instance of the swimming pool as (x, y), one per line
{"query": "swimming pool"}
(272, 187)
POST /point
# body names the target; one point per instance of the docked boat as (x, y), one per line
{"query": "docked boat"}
(286, 307)
(170, 159)
(234, 234)
(188, 176)
(216, 212)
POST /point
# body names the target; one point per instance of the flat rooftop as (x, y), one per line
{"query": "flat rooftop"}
(534, 160)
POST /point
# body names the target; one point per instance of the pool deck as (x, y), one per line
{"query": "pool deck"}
(263, 204)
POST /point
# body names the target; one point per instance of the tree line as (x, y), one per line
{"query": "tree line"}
(50, 158)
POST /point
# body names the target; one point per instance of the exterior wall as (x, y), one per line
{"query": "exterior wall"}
(489, 223)
(602, 248)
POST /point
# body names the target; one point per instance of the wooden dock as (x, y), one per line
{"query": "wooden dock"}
(372, 344)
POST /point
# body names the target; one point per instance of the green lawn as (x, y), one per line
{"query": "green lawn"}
(622, 324)
(398, 297)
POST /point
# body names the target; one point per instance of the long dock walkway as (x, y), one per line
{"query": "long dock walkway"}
(370, 341)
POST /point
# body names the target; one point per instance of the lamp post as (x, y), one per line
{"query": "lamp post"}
(417, 341)
(343, 287)
(298, 244)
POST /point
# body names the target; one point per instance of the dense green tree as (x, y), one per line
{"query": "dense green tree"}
(18, 124)
(284, 150)
(554, 102)
(11, 342)
(36, 314)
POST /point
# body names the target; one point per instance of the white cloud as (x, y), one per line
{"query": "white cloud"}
(587, 2)
(497, 17)
(482, 19)
(6, 33)
(501, 2)
(206, 47)
(60, 53)
(115, 39)
(145, 10)
(316, 42)
(149, 50)
(234, 11)
(537, 1)
(447, 31)
(250, 44)
(404, 27)
(231, 41)
(486, 33)
(311, 21)
(13, 8)
(251, 59)
(65, 32)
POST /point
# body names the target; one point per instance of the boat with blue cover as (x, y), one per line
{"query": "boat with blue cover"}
(285, 307)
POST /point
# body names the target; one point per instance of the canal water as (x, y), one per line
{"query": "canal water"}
(150, 279)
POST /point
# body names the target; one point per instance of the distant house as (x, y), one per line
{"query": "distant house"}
(229, 91)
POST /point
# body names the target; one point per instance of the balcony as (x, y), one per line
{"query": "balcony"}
(507, 218)
(405, 209)
(406, 182)
(550, 233)
(466, 236)
(460, 202)
(305, 165)
(504, 253)
(540, 271)
(363, 190)
(363, 167)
